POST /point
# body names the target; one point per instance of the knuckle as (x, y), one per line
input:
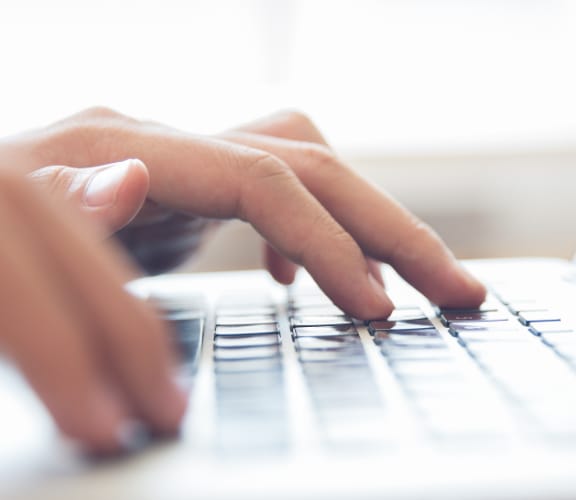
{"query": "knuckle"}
(92, 137)
(332, 232)
(262, 171)
(56, 179)
(298, 118)
(415, 241)
(266, 166)
(320, 157)
(100, 113)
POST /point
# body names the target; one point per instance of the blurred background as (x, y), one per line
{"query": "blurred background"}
(465, 110)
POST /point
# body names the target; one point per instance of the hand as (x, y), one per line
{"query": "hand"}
(279, 175)
(97, 357)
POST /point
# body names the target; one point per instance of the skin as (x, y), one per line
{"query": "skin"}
(96, 356)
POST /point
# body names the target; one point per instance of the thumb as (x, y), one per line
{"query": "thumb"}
(111, 195)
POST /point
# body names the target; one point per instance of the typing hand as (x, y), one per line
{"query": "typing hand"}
(279, 175)
(96, 356)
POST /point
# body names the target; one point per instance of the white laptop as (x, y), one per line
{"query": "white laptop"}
(290, 398)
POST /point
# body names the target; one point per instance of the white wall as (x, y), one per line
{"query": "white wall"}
(464, 109)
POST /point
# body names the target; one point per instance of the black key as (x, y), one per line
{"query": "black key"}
(382, 336)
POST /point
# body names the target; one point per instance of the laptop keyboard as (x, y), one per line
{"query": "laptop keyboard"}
(457, 374)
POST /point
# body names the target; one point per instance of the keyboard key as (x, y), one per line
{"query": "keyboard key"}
(483, 327)
(322, 343)
(559, 338)
(526, 306)
(429, 369)
(566, 350)
(240, 381)
(352, 355)
(395, 326)
(329, 320)
(477, 316)
(511, 350)
(551, 327)
(403, 340)
(247, 329)
(530, 317)
(324, 331)
(488, 306)
(319, 310)
(248, 310)
(423, 387)
(493, 336)
(269, 364)
(262, 319)
(417, 353)
(246, 353)
(407, 314)
(241, 341)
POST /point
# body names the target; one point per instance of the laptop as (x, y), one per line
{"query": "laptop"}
(292, 398)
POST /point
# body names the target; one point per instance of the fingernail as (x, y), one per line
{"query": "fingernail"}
(102, 189)
(473, 282)
(386, 304)
(132, 436)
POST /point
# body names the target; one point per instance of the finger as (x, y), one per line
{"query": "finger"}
(384, 229)
(282, 269)
(46, 343)
(130, 340)
(375, 270)
(111, 195)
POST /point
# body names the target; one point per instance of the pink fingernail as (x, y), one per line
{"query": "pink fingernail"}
(102, 188)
